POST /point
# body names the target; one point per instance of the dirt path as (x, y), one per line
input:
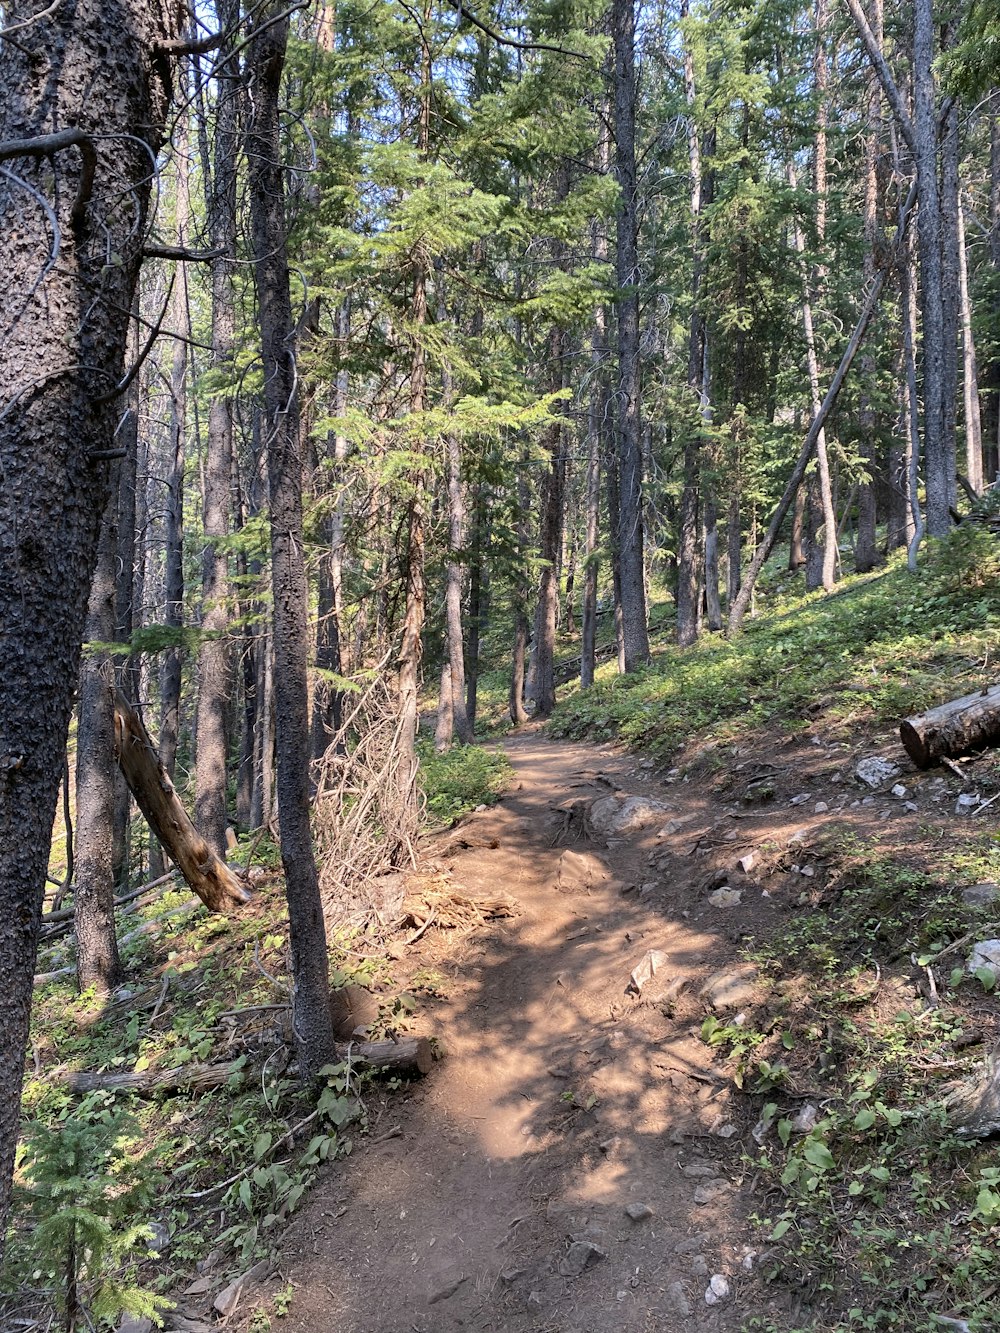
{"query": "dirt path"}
(562, 1099)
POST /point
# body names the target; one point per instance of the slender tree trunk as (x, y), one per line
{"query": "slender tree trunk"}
(411, 646)
(97, 960)
(516, 708)
(939, 454)
(311, 1022)
(822, 510)
(970, 374)
(635, 637)
(908, 301)
(543, 654)
(597, 413)
(62, 348)
(214, 664)
(454, 720)
(478, 566)
(690, 549)
(950, 282)
(865, 551)
(173, 555)
(991, 402)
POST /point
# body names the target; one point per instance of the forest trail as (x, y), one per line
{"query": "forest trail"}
(562, 1097)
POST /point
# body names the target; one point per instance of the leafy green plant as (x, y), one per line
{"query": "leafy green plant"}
(457, 780)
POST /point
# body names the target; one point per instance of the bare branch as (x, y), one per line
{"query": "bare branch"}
(26, 23)
(45, 145)
(494, 36)
(881, 67)
(157, 250)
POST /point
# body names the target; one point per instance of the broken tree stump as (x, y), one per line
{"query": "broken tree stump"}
(207, 875)
(953, 728)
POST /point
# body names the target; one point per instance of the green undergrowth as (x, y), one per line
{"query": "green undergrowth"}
(882, 646)
(458, 780)
(872, 1213)
(120, 1194)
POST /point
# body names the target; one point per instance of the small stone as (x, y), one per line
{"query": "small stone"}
(726, 897)
(748, 1261)
(646, 968)
(671, 827)
(676, 1299)
(444, 1285)
(480, 808)
(698, 1170)
(727, 1130)
(693, 1244)
(160, 1239)
(732, 988)
(876, 772)
(711, 1190)
(821, 807)
(699, 1265)
(547, 1292)
(899, 790)
(806, 1118)
(801, 798)
(638, 1212)
(718, 1290)
(607, 1146)
(868, 800)
(747, 862)
(910, 807)
(580, 1255)
(199, 1286)
(967, 801)
(131, 1323)
(984, 954)
(980, 895)
(649, 887)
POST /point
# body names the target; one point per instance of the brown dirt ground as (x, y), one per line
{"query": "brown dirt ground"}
(562, 1097)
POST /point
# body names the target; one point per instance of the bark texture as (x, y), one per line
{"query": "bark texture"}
(91, 66)
(311, 1015)
(635, 638)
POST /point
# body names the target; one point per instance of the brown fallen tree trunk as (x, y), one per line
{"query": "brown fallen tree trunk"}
(953, 728)
(408, 1055)
(207, 875)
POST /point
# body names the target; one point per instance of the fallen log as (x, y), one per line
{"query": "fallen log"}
(408, 1055)
(207, 874)
(953, 728)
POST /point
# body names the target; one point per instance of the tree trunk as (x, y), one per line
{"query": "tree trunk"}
(515, 703)
(939, 459)
(213, 655)
(543, 653)
(97, 960)
(311, 1016)
(478, 589)
(173, 537)
(635, 637)
(62, 347)
(970, 374)
(690, 552)
(821, 493)
(454, 638)
(866, 551)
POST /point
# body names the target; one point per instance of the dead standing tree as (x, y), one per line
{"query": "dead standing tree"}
(84, 91)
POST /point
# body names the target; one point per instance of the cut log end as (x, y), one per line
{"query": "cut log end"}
(969, 723)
